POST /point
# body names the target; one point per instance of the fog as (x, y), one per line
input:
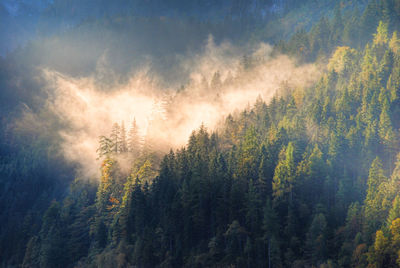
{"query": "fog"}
(221, 81)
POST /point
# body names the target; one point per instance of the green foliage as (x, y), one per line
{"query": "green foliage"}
(316, 239)
(394, 212)
(381, 35)
(300, 181)
(296, 169)
(284, 174)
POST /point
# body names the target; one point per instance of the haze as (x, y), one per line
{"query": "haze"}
(219, 83)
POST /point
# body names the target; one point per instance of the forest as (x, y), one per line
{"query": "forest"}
(306, 177)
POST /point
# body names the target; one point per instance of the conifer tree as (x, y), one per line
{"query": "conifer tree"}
(133, 139)
(284, 176)
(381, 35)
(374, 214)
(123, 146)
(394, 212)
(115, 137)
(394, 43)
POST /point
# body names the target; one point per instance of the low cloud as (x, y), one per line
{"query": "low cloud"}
(220, 81)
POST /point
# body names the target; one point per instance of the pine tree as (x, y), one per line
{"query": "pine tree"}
(395, 239)
(52, 239)
(337, 26)
(385, 67)
(351, 32)
(386, 132)
(379, 255)
(394, 212)
(284, 177)
(254, 209)
(320, 35)
(316, 239)
(394, 43)
(369, 21)
(133, 140)
(105, 147)
(271, 233)
(311, 171)
(123, 146)
(265, 175)
(216, 82)
(375, 178)
(236, 237)
(248, 153)
(374, 213)
(115, 137)
(381, 35)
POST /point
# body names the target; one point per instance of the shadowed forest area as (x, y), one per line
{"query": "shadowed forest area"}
(303, 171)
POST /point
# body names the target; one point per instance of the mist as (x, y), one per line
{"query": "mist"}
(220, 81)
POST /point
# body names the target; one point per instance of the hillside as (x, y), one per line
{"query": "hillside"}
(292, 161)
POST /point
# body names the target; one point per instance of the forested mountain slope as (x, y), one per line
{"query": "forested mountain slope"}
(309, 178)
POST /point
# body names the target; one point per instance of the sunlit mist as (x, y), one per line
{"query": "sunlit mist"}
(221, 81)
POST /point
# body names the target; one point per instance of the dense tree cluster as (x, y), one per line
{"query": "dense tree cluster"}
(121, 142)
(309, 179)
(352, 27)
